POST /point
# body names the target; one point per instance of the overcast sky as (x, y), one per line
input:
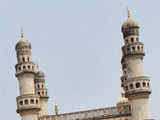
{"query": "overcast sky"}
(77, 43)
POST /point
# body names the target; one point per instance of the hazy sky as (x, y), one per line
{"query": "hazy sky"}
(78, 45)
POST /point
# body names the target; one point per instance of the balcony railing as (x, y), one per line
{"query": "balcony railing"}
(110, 112)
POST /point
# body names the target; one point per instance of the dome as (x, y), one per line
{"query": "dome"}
(40, 73)
(23, 43)
(130, 23)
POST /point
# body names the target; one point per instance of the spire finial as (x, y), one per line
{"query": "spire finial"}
(128, 13)
(22, 34)
(37, 68)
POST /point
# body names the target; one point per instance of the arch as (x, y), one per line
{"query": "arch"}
(32, 101)
(131, 86)
(24, 67)
(23, 59)
(26, 102)
(138, 85)
(42, 92)
(36, 101)
(138, 47)
(29, 67)
(128, 49)
(132, 39)
(126, 87)
(144, 84)
(122, 80)
(133, 48)
(142, 47)
(137, 39)
(38, 86)
(21, 102)
(39, 93)
(147, 84)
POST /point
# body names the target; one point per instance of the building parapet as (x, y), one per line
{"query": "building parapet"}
(103, 113)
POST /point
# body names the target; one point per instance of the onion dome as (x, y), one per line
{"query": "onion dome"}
(23, 43)
(130, 23)
(40, 73)
(130, 26)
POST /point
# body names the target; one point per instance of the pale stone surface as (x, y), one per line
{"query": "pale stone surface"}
(44, 108)
(140, 109)
(26, 84)
(30, 117)
(135, 67)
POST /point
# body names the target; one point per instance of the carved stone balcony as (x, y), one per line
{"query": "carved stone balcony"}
(28, 102)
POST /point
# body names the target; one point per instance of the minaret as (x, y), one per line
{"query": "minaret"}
(134, 82)
(28, 103)
(42, 91)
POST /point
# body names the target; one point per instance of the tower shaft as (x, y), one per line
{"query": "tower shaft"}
(28, 103)
(133, 81)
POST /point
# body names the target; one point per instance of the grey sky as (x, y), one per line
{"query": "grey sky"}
(78, 45)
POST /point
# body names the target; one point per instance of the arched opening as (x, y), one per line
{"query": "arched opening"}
(137, 39)
(138, 47)
(132, 40)
(128, 49)
(36, 101)
(26, 102)
(142, 47)
(23, 59)
(21, 102)
(38, 86)
(133, 48)
(138, 85)
(131, 86)
(24, 67)
(126, 87)
(39, 93)
(32, 101)
(29, 67)
(144, 84)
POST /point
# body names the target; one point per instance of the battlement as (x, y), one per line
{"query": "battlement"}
(102, 113)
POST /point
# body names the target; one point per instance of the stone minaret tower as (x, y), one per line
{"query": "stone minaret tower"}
(134, 82)
(28, 103)
(42, 91)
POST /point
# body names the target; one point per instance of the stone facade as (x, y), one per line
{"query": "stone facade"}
(133, 105)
